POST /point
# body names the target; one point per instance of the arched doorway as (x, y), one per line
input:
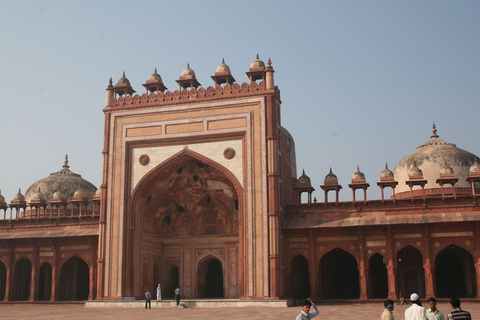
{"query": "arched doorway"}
(455, 273)
(339, 276)
(210, 278)
(21, 284)
(45, 282)
(377, 277)
(410, 273)
(156, 279)
(74, 280)
(187, 204)
(145, 277)
(171, 282)
(300, 278)
(3, 280)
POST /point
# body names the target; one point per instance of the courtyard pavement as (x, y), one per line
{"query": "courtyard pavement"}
(327, 312)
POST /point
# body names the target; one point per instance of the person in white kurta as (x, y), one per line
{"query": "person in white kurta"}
(306, 313)
(159, 292)
(416, 311)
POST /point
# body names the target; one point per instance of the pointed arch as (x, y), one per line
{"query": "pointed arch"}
(74, 280)
(3, 280)
(377, 277)
(300, 277)
(339, 276)
(45, 282)
(410, 272)
(21, 284)
(210, 284)
(455, 273)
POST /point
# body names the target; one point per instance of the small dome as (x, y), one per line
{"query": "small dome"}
(19, 196)
(223, 67)
(98, 193)
(58, 195)
(304, 178)
(330, 177)
(415, 171)
(79, 193)
(387, 173)
(358, 175)
(188, 72)
(123, 80)
(446, 169)
(475, 166)
(38, 195)
(257, 64)
(154, 76)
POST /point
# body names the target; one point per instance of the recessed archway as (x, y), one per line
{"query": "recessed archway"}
(210, 278)
(300, 278)
(339, 277)
(377, 277)
(455, 273)
(171, 281)
(410, 273)
(21, 284)
(45, 282)
(74, 280)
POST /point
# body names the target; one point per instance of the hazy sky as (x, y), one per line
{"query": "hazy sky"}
(361, 81)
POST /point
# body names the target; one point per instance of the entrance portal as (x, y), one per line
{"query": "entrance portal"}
(210, 279)
(455, 273)
(339, 276)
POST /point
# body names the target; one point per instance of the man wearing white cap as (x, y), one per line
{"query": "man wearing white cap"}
(416, 311)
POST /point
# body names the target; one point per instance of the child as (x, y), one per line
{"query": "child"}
(306, 314)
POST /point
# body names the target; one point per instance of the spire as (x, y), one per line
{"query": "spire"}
(434, 132)
(66, 166)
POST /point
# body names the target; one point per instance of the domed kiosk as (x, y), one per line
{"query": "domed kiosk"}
(433, 159)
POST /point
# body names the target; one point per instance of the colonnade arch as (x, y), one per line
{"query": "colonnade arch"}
(45, 282)
(410, 272)
(378, 277)
(21, 284)
(455, 273)
(74, 280)
(339, 276)
(3, 280)
(300, 278)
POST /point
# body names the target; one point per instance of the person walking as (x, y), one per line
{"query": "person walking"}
(177, 295)
(387, 313)
(159, 292)
(457, 313)
(306, 313)
(148, 298)
(433, 313)
(416, 311)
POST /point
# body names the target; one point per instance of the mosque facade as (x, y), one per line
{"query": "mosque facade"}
(199, 190)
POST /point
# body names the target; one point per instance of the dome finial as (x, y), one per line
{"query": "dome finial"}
(434, 131)
(155, 70)
(66, 166)
(257, 56)
(110, 82)
(358, 168)
(386, 165)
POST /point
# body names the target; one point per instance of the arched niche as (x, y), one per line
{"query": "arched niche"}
(377, 277)
(21, 283)
(339, 276)
(300, 278)
(210, 278)
(74, 280)
(410, 272)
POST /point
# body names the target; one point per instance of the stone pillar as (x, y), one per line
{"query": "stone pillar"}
(477, 254)
(54, 272)
(427, 264)
(362, 269)
(33, 283)
(9, 267)
(392, 285)
(313, 267)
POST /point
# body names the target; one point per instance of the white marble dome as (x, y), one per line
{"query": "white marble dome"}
(430, 158)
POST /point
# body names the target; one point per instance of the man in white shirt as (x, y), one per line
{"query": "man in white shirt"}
(306, 313)
(433, 313)
(416, 311)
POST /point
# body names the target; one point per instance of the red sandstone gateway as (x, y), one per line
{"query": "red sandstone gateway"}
(200, 191)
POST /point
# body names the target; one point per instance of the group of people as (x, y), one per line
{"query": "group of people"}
(417, 312)
(148, 296)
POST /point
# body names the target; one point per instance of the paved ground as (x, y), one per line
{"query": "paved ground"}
(337, 312)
